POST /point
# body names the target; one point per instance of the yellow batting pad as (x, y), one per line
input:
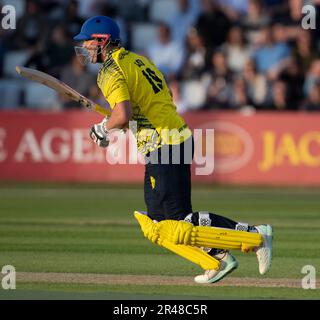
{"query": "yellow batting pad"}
(148, 227)
(193, 254)
(178, 232)
(182, 232)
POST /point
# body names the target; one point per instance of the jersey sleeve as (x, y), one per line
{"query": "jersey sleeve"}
(114, 87)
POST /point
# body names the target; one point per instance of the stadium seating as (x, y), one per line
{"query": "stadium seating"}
(10, 93)
(15, 58)
(194, 92)
(40, 97)
(160, 9)
(143, 34)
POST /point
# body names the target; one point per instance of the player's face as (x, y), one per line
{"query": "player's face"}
(88, 52)
(92, 47)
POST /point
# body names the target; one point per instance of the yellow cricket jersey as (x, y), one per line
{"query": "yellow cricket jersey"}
(129, 76)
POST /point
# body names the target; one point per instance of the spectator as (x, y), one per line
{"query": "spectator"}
(290, 14)
(50, 5)
(316, 32)
(255, 19)
(313, 100)
(59, 51)
(76, 76)
(112, 12)
(219, 82)
(31, 29)
(256, 84)
(52, 9)
(295, 12)
(110, 8)
(294, 77)
(276, 8)
(280, 33)
(71, 20)
(236, 49)
(312, 77)
(167, 54)
(90, 8)
(280, 97)
(132, 10)
(239, 97)
(181, 20)
(212, 24)
(304, 50)
(196, 56)
(219, 37)
(271, 57)
(3, 48)
(178, 99)
(234, 9)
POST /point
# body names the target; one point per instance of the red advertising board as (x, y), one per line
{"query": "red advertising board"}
(264, 148)
(261, 148)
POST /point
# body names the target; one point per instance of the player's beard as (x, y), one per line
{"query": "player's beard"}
(98, 56)
(94, 57)
(84, 55)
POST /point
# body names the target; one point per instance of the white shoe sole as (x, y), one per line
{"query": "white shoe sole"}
(267, 243)
(231, 266)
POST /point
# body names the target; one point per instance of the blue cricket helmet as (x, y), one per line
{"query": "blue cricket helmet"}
(98, 27)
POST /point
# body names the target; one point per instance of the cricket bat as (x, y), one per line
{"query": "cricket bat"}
(61, 88)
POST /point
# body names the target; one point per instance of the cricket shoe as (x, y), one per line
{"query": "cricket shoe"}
(228, 263)
(264, 252)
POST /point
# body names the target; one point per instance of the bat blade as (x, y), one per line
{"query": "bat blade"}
(61, 87)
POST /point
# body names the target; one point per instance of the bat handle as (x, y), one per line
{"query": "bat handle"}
(103, 111)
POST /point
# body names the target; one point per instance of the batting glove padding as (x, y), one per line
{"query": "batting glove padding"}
(99, 134)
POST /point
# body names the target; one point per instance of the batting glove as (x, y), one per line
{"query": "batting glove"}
(99, 134)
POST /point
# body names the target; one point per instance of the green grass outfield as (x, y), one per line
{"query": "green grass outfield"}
(90, 229)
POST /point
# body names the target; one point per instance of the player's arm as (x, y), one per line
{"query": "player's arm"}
(117, 94)
(120, 116)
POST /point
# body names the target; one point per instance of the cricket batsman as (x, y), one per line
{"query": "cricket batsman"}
(136, 91)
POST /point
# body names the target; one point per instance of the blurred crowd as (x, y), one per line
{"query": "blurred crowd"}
(215, 54)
